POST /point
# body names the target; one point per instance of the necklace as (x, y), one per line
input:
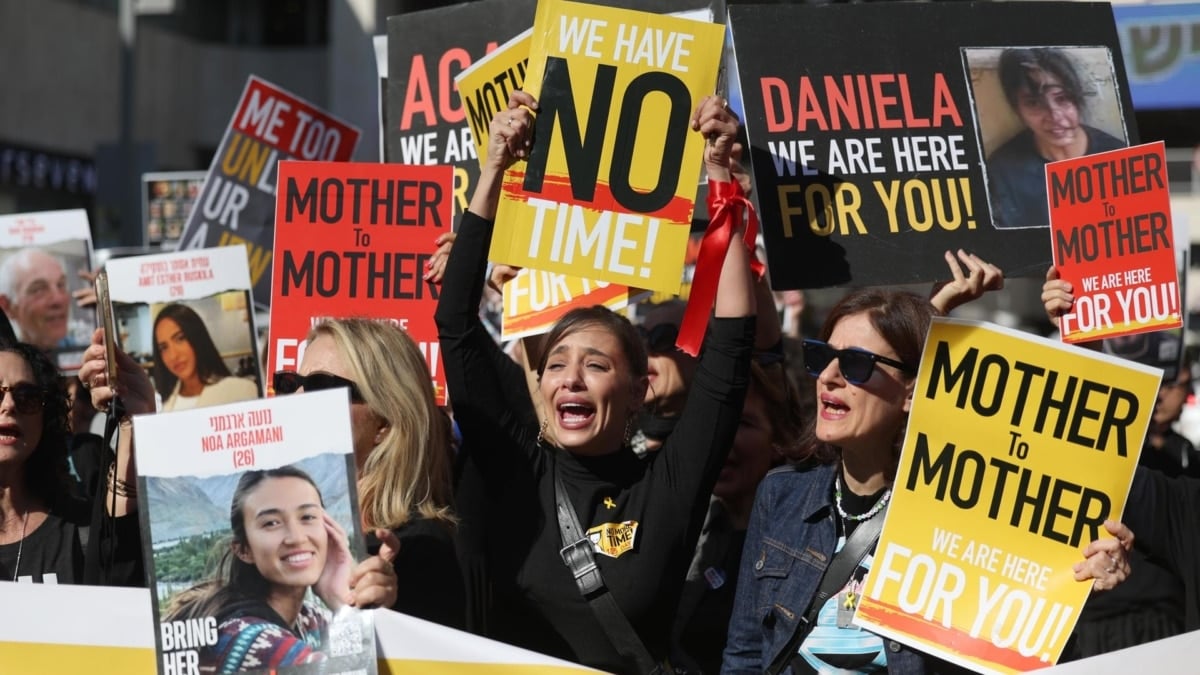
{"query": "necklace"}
(837, 498)
(20, 546)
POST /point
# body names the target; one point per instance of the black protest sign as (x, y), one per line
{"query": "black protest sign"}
(899, 130)
(426, 121)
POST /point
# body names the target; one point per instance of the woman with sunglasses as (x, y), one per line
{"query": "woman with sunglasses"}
(41, 526)
(188, 370)
(401, 451)
(865, 364)
(638, 518)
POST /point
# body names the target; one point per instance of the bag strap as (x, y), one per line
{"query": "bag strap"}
(578, 556)
(839, 571)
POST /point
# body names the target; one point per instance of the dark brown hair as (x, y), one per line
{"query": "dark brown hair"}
(901, 318)
(598, 316)
(1017, 67)
(787, 408)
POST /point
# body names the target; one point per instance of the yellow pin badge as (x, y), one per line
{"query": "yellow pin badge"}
(614, 539)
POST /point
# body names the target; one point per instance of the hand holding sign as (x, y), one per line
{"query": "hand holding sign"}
(719, 125)
(1106, 560)
(137, 393)
(512, 131)
(435, 268)
(727, 206)
(1057, 296)
(374, 581)
(511, 135)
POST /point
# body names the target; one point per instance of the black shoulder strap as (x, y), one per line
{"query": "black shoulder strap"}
(844, 562)
(578, 556)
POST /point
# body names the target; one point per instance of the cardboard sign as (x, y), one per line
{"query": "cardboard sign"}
(41, 255)
(487, 84)
(534, 300)
(609, 187)
(1022, 446)
(1113, 240)
(869, 164)
(188, 318)
(285, 467)
(352, 240)
(236, 205)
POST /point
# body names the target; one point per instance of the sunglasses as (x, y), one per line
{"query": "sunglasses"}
(857, 365)
(660, 339)
(287, 382)
(27, 398)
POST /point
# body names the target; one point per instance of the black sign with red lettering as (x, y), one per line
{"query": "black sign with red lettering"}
(869, 163)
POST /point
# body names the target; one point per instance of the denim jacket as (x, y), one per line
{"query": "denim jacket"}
(791, 540)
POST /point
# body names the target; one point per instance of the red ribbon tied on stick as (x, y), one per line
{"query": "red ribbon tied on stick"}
(727, 205)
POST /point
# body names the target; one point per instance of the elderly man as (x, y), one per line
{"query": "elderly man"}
(34, 295)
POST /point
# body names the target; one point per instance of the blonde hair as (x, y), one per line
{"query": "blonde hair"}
(408, 473)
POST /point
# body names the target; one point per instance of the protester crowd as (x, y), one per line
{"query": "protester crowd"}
(699, 547)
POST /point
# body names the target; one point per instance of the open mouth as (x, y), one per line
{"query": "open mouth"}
(575, 415)
(9, 433)
(832, 408)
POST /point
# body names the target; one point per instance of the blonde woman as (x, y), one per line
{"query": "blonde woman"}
(401, 450)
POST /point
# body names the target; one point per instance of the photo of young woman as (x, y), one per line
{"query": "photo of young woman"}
(284, 545)
(1036, 105)
(189, 371)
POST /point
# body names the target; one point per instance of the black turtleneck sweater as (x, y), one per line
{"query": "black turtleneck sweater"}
(535, 603)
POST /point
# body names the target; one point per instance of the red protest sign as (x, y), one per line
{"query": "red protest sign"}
(1110, 225)
(291, 125)
(352, 240)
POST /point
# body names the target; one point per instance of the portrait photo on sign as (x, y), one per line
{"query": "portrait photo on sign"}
(252, 558)
(198, 352)
(1034, 105)
(36, 293)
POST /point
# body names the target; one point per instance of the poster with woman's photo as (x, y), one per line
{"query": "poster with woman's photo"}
(188, 318)
(870, 164)
(1035, 105)
(42, 256)
(250, 530)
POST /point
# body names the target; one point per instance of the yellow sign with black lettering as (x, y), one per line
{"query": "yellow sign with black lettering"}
(613, 539)
(1022, 447)
(609, 187)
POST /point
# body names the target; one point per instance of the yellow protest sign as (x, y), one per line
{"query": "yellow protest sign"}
(535, 299)
(610, 183)
(1017, 449)
(485, 86)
